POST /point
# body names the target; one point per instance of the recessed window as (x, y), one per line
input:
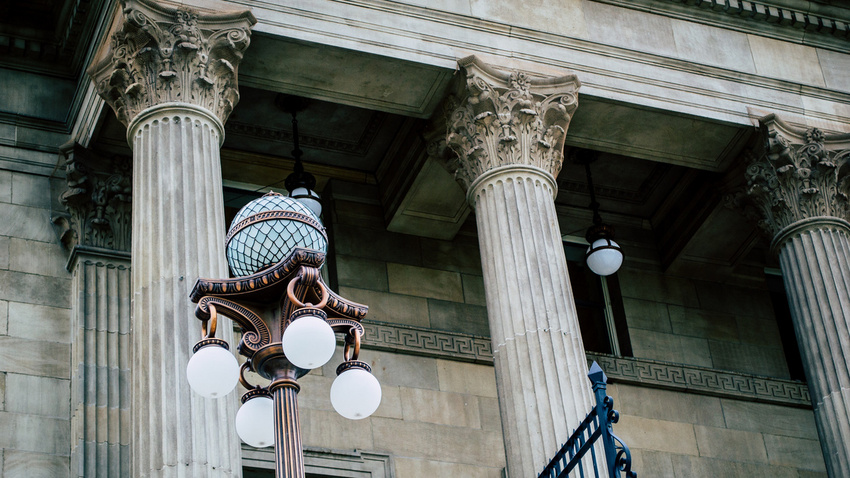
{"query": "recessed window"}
(599, 304)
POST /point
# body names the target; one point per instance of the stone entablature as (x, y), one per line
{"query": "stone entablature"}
(161, 54)
(797, 175)
(98, 200)
(509, 119)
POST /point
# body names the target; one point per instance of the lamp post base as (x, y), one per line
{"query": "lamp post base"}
(288, 453)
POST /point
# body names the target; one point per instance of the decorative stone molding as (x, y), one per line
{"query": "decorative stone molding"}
(797, 175)
(160, 53)
(98, 200)
(629, 370)
(509, 119)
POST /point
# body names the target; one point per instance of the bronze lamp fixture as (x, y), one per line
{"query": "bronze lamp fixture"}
(289, 320)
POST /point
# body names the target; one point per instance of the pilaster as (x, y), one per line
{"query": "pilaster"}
(96, 231)
(798, 183)
(508, 132)
(170, 74)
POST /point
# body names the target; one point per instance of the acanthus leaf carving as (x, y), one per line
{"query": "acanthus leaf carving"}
(509, 118)
(98, 200)
(796, 174)
(161, 54)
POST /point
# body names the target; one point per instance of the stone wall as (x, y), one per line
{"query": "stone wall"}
(35, 332)
(440, 414)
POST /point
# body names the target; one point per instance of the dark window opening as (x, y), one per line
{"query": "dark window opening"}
(782, 310)
(597, 316)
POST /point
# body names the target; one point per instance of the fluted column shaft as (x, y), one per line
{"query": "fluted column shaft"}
(101, 356)
(178, 235)
(508, 133)
(815, 261)
(541, 368)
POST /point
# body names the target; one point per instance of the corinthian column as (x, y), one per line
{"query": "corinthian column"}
(799, 184)
(508, 133)
(96, 231)
(170, 75)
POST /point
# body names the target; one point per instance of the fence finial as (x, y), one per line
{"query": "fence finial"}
(596, 375)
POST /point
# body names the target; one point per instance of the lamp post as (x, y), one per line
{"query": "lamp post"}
(289, 318)
(604, 256)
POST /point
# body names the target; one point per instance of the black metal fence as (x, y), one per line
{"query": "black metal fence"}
(598, 424)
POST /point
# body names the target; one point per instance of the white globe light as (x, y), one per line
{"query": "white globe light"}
(212, 371)
(255, 421)
(355, 394)
(309, 342)
(309, 198)
(604, 260)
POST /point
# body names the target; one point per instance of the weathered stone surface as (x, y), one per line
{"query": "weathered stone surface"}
(424, 282)
(378, 244)
(834, 65)
(765, 359)
(796, 452)
(398, 370)
(458, 317)
(658, 435)
(328, 429)
(43, 396)
(391, 308)
(670, 348)
(34, 257)
(34, 289)
(706, 325)
(35, 357)
(21, 464)
(39, 322)
(460, 255)
(4, 317)
(732, 445)
(785, 60)
(414, 468)
(362, 274)
(687, 466)
(34, 433)
(647, 315)
(466, 378)
(26, 223)
(443, 408)
(473, 289)
(656, 287)
(30, 190)
(712, 46)
(438, 442)
(769, 419)
(668, 405)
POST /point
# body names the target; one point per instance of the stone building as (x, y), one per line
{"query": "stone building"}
(445, 137)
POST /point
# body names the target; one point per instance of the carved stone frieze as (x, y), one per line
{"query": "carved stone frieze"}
(160, 53)
(509, 119)
(795, 175)
(98, 200)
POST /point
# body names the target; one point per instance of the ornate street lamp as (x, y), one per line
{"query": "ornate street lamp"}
(299, 183)
(289, 317)
(604, 256)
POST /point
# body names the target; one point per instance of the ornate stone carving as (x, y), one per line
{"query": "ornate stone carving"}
(161, 54)
(509, 118)
(796, 175)
(98, 200)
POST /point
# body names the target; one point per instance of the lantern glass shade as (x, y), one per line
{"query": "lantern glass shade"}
(604, 257)
(212, 371)
(309, 342)
(355, 394)
(265, 242)
(309, 198)
(255, 421)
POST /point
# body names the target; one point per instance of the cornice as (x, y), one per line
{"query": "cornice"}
(626, 370)
(799, 21)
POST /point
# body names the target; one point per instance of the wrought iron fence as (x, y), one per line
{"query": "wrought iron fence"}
(598, 424)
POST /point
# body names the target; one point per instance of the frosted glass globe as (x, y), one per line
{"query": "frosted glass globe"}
(309, 198)
(309, 342)
(255, 422)
(607, 261)
(355, 394)
(212, 371)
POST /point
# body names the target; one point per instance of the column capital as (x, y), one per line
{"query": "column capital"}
(795, 176)
(97, 200)
(509, 118)
(162, 52)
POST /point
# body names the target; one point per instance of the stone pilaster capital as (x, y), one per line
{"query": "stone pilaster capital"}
(164, 53)
(509, 118)
(97, 200)
(795, 176)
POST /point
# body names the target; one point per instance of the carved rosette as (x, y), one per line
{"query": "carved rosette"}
(97, 201)
(159, 54)
(796, 175)
(509, 119)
